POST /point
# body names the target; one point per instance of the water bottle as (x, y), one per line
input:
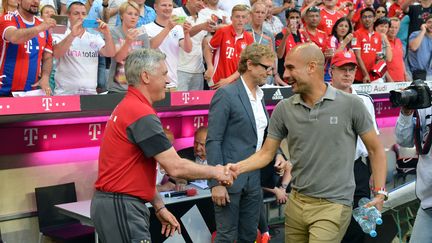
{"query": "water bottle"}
(368, 227)
(372, 213)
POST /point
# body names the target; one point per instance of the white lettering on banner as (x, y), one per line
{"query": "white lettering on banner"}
(30, 135)
(198, 121)
(277, 95)
(381, 88)
(186, 97)
(94, 131)
(47, 103)
(378, 107)
(229, 52)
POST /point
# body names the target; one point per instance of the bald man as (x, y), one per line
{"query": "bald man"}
(321, 125)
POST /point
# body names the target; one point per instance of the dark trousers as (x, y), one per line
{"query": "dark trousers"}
(238, 220)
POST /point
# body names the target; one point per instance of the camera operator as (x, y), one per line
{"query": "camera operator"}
(415, 130)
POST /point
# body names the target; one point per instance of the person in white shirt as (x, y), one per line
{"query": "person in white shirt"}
(191, 65)
(169, 35)
(212, 9)
(228, 5)
(77, 52)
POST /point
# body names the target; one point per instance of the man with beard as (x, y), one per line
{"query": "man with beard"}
(236, 129)
(27, 45)
(321, 125)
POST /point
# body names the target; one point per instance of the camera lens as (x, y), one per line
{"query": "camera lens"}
(403, 97)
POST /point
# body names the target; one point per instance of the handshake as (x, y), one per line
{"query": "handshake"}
(226, 175)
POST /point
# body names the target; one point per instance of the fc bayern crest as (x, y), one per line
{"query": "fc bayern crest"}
(42, 34)
(376, 40)
(243, 45)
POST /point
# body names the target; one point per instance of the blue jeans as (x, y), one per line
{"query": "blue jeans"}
(422, 227)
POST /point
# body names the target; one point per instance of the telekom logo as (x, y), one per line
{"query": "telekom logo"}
(366, 47)
(379, 107)
(329, 23)
(94, 131)
(186, 97)
(47, 103)
(229, 52)
(198, 121)
(30, 135)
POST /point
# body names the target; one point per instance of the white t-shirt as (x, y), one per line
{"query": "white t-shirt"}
(77, 70)
(191, 62)
(170, 46)
(228, 5)
(206, 14)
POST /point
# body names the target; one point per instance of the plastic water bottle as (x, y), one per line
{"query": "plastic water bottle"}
(372, 213)
(368, 227)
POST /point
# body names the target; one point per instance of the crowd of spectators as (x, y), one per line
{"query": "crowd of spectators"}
(203, 39)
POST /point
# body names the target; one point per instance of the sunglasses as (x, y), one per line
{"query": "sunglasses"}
(267, 68)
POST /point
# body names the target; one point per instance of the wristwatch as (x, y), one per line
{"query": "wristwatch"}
(381, 191)
(284, 185)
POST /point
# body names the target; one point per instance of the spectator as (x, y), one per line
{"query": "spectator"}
(396, 66)
(77, 51)
(146, 15)
(343, 69)
(312, 19)
(259, 33)
(169, 36)
(26, 44)
(340, 40)
(381, 26)
(237, 124)
(226, 45)
(420, 51)
(417, 13)
(380, 12)
(329, 15)
(9, 6)
(126, 38)
(96, 10)
(395, 10)
(318, 211)
(228, 6)
(272, 23)
(133, 142)
(291, 35)
(191, 65)
(356, 19)
(212, 9)
(47, 11)
(288, 38)
(366, 45)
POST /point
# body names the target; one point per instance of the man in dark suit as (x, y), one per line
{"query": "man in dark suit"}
(237, 123)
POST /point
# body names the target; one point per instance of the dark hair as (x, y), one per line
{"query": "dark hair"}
(384, 7)
(289, 11)
(382, 20)
(334, 29)
(367, 10)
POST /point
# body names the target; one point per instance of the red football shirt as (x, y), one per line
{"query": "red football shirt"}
(21, 63)
(369, 45)
(320, 38)
(328, 19)
(228, 47)
(396, 67)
